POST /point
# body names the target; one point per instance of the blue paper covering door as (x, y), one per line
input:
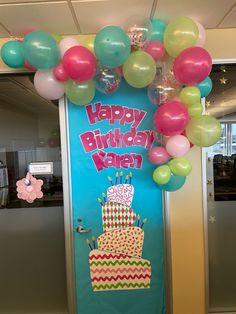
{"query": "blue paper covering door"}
(119, 265)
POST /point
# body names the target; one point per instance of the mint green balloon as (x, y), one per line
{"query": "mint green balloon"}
(140, 69)
(162, 174)
(157, 30)
(12, 54)
(180, 166)
(203, 131)
(112, 46)
(41, 50)
(80, 93)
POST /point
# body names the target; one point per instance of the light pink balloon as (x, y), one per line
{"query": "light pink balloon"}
(60, 73)
(177, 145)
(202, 35)
(47, 85)
(192, 66)
(66, 43)
(156, 49)
(158, 155)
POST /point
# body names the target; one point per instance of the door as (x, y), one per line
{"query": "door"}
(117, 209)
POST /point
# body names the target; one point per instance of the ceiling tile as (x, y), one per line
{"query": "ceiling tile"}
(230, 20)
(92, 15)
(21, 1)
(3, 32)
(209, 13)
(49, 16)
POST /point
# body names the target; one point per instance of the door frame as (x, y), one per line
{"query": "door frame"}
(68, 211)
(205, 216)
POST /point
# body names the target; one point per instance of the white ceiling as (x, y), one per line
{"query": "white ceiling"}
(87, 16)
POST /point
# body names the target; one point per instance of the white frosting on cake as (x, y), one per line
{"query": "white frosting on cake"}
(121, 193)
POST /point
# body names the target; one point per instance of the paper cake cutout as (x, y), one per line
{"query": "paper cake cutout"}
(121, 193)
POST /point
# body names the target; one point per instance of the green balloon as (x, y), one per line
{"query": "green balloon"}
(203, 131)
(140, 69)
(162, 174)
(180, 166)
(190, 95)
(41, 50)
(195, 110)
(112, 46)
(181, 33)
(80, 94)
(157, 30)
(12, 54)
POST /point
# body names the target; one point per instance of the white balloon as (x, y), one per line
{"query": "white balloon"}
(202, 35)
(66, 43)
(47, 86)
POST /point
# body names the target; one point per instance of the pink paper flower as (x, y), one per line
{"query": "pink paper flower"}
(29, 188)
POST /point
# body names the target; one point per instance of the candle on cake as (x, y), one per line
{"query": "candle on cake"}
(138, 220)
(121, 174)
(144, 221)
(130, 177)
(117, 175)
(110, 179)
(88, 242)
(94, 243)
(104, 197)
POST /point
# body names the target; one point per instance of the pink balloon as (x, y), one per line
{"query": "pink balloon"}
(29, 66)
(156, 49)
(79, 63)
(202, 35)
(67, 43)
(60, 73)
(192, 66)
(47, 86)
(171, 118)
(158, 155)
(177, 145)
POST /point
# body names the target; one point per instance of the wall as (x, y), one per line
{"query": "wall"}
(187, 226)
(187, 229)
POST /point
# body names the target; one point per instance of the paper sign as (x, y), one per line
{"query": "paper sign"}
(41, 168)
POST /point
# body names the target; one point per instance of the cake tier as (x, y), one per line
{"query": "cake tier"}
(121, 193)
(128, 241)
(111, 271)
(116, 215)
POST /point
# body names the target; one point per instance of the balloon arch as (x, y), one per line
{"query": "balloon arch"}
(167, 59)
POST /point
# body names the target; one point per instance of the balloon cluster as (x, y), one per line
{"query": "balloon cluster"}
(64, 65)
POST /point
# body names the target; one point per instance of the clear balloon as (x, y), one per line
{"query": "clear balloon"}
(192, 66)
(158, 155)
(140, 69)
(203, 131)
(112, 46)
(181, 33)
(177, 145)
(195, 110)
(180, 166)
(162, 174)
(174, 184)
(41, 50)
(190, 95)
(202, 35)
(163, 88)
(47, 86)
(79, 63)
(158, 28)
(67, 43)
(60, 73)
(80, 93)
(12, 54)
(155, 49)
(171, 118)
(107, 80)
(139, 31)
(205, 87)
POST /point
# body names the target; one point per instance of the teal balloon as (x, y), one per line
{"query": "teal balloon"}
(112, 46)
(175, 183)
(41, 50)
(157, 30)
(205, 87)
(12, 54)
